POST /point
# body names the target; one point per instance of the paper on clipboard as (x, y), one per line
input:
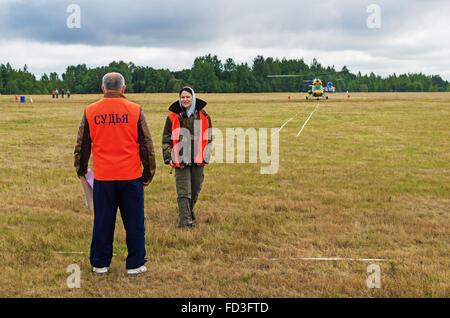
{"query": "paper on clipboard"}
(88, 186)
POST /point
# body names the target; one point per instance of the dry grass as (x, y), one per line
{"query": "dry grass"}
(367, 178)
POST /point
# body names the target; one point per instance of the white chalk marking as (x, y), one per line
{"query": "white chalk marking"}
(71, 252)
(307, 120)
(57, 252)
(282, 126)
(343, 259)
(324, 259)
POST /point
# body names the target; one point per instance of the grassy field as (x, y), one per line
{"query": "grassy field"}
(368, 178)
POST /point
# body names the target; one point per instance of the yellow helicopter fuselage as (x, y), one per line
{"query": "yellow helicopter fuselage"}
(317, 93)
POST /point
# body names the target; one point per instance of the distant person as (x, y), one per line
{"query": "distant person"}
(62, 93)
(68, 94)
(53, 94)
(187, 113)
(121, 141)
(57, 93)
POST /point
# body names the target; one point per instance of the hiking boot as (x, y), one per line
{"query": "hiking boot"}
(190, 225)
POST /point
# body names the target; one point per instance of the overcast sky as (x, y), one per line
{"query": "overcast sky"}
(410, 36)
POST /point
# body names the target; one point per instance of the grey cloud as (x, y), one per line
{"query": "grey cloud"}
(324, 25)
(136, 23)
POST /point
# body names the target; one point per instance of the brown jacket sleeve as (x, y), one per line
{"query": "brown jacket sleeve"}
(83, 147)
(146, 151)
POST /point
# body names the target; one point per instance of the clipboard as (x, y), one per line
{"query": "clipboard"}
(88, 186)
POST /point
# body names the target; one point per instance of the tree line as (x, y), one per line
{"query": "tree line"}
(209, 74)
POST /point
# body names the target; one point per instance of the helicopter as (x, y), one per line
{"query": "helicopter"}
(315, 88)
(330, 88)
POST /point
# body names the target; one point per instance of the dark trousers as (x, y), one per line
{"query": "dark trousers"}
(189, 182)
(128, 196)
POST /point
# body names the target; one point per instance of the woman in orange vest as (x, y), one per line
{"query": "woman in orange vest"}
(186, 145)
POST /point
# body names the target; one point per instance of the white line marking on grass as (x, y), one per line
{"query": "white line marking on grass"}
(282, 126)
(71, 252)
(343, 259)
(308, 119)
(323, 259)
(57, 252)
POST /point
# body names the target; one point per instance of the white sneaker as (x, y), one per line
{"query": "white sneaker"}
(136, 271)
(102, 270)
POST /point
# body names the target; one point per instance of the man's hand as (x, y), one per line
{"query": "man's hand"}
(145, 183)
(172, 164)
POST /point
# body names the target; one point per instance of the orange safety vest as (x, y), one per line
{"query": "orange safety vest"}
(202, 141)
(113, 126)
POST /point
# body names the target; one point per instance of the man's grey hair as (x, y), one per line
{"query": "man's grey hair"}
(113, 81)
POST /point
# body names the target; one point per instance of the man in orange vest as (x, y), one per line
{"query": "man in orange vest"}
(116, 131)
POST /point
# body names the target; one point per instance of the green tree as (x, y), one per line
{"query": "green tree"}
(203, 77)
(208, 74)
(154, 82)
(68, 78)
(12, 87)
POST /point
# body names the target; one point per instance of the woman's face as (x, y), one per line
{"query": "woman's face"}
(186, 99)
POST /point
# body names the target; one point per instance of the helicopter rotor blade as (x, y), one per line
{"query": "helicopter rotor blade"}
(284, 75)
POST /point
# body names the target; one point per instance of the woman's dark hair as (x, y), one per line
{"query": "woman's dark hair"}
(186, 89)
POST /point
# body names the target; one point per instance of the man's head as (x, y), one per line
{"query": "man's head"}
(113, 82)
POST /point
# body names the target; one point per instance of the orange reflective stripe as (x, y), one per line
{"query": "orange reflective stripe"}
(202, 143)
(175, 136)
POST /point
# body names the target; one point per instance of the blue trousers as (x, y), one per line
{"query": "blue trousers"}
(128, 196)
